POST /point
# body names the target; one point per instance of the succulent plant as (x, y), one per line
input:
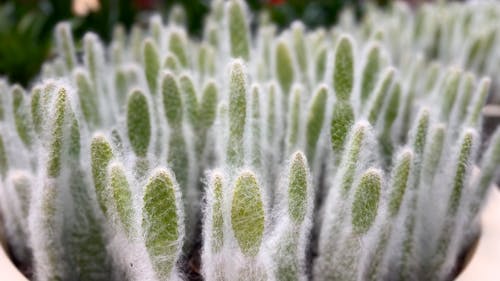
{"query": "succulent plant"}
(293, 156)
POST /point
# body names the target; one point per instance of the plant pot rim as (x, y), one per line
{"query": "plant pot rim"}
(8, 271)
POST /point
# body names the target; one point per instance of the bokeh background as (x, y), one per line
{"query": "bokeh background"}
(26, 25)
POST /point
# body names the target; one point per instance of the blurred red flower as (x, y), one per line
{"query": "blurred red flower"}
(276, 2)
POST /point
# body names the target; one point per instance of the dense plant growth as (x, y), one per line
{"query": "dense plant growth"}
(291, 156)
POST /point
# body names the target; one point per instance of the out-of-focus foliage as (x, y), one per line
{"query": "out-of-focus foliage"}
(26, 30)
(26, 26)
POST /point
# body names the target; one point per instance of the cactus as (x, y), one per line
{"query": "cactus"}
(262, 149)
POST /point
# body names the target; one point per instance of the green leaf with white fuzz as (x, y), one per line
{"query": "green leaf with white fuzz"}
(419, 132)
(190, 99)
(450, 93)
(65, 44)
(151, 63)
(138, 123)
(156, 27)
(56, 143)
(36, 109)
(342, 120)
(171, 63)
(271, 112)
(256, 124)
(172, 102)
(463, 164)
(295, 117)
(320, 63)
(162, 222)
(121, 196)
(399, 181)
(475, 110)
(298, 187)
(381, 91)
(432, 154)
(315, 119)
(247, 213)
(490, 165)
(343, 71)
(239, 33)
(284, 67)
(177, 45)
(370, 73)
(299, 45)
(366, 201)
(4, 163)
(358, 136)
(93, 56)
(101, 154)
(389, 117)
(237, 113)
(207, 110)
(467, 89)
(22, 116)
(47, 248)
(88, 99)
(217, 213)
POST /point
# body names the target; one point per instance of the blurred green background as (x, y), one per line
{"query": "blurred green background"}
(26, 25)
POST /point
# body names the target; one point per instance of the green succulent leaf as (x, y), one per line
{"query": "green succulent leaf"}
(208, 106)
(56, 144)
(237, 114)
(298, 187)
(88, 99)
(239, 34)
(101, 154)
(343, 72)
(342, 120)
(172, 102)
(370, 73)
(247, 213)
(151, 62)
(315, 120)
(366, 201)
(400, 181)
(463, 164)
(162, 222)
(22, 115)
(121, 196)
(4, 163)
(177, 45)
(284, 67)
(138, 123)
(217, 235)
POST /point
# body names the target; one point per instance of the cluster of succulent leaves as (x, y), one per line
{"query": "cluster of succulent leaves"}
(291, 156)
(466, 35)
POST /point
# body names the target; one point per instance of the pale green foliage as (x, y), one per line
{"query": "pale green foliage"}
(315, 119)
(162, 222)
(237, 114)
(101, 154)
(343, 71)
(297, 191)
(284, 67)
(125, 158)
(138, 123)
(247, 213)
(238, 30)
(151, 62)
(366, 200)
(121, 196)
